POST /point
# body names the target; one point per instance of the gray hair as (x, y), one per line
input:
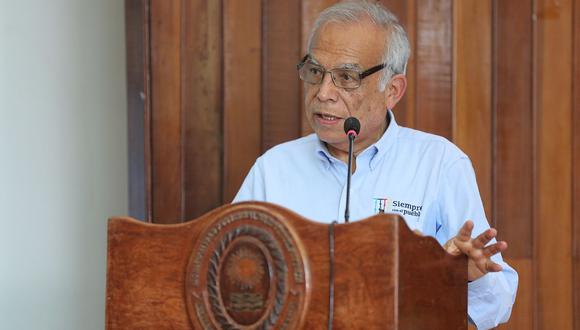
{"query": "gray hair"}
(397, 49)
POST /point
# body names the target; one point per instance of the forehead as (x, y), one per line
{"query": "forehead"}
(359, 43)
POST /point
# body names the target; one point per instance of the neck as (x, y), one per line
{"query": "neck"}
(342, 154)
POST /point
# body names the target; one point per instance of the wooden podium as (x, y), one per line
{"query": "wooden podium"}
(261, 266)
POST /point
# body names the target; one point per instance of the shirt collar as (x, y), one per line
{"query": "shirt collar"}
(377, 150)
(323, 154)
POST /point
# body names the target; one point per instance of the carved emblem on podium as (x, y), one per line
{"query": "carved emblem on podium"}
(246, 272)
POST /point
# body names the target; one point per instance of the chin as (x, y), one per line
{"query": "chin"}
(331, 138)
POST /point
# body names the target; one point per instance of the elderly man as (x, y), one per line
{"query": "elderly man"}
(355, 66)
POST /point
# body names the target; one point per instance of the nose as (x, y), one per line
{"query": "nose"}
(327, 90)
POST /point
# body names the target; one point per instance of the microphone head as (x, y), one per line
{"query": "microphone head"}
(352, 126)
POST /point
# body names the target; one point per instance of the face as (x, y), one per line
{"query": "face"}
(327, 106)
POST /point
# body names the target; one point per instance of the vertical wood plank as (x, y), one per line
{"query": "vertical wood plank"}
(310, 11)
(521, 317)
(201, 106)
(166, 110)
(138, 107)
(553, 200)
(472, 97)
(513, 147)
(242, 91)
(513, 198)
(576, 173)
(281, 96)
(434, 67)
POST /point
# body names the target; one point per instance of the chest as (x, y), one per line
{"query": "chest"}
(409, 191)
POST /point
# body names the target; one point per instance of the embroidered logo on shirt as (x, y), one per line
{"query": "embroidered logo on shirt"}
(381, 205)
(386, 204)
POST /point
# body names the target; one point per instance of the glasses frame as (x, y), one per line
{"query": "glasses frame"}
(361, 75)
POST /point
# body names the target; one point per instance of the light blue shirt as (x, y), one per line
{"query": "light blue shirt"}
(423, 177)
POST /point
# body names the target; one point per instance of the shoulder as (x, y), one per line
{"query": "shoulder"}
(301, 146)
(431, 146)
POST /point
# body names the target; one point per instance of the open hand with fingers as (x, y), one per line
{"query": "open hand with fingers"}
(478, 254)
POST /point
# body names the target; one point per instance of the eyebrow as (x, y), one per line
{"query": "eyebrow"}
(309, 58)
(348, 66)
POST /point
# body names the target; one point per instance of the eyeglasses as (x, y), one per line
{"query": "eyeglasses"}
(344, 78)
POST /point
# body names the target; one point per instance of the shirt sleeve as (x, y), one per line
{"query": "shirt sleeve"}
(252, 188)
(491, 297)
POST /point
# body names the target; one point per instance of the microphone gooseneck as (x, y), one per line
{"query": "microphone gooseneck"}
(351, 128)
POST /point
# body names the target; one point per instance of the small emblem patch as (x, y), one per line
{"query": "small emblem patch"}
(381, 205)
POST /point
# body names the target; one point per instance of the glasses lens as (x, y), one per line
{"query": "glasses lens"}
(346, 78)
(311, 73)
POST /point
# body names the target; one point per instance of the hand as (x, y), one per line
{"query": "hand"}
(479, 256)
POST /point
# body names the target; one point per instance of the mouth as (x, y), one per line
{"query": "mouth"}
(326, 118)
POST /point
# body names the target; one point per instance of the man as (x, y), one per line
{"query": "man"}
(355, 66)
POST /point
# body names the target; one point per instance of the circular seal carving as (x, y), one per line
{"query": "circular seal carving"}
(246, 272)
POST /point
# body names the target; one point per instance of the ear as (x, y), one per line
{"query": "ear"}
(395, 90)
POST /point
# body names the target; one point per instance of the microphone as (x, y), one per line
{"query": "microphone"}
(351, 128)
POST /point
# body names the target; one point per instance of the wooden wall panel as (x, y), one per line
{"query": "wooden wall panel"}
(472, 124)
(576, 169)
(522, 313)
(242, 91)
(553, 198)
(281, 87)
(201, 107)
(513, 146)
(434, 51)
(166, 110)
(495, 76)
(513, 125)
